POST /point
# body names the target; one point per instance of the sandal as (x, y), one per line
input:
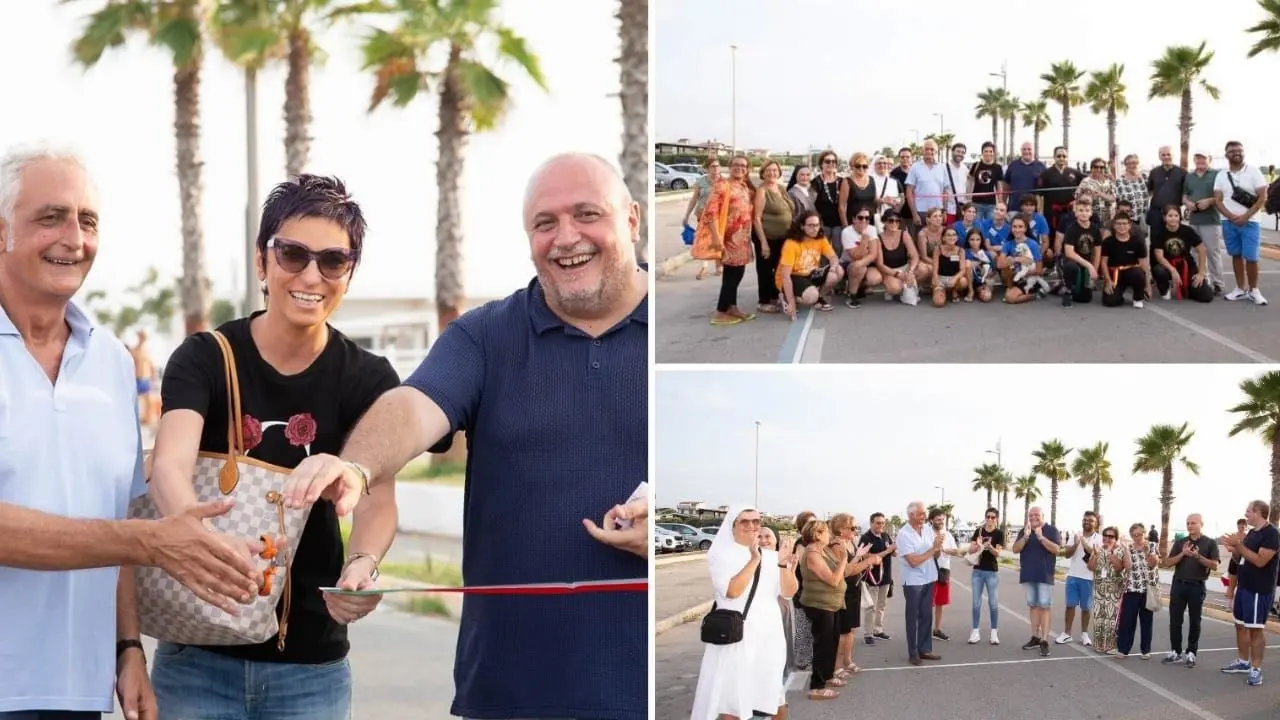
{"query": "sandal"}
(836, 683)
(852, 669)
(823, 694)
(702, 272)
(726, 321)
(769, 309)
(823, 306)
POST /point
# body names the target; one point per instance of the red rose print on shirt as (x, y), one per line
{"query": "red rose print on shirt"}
(301, 429)
(251, 428)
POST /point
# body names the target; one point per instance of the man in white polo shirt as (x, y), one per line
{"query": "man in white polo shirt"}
(927, 186)
(919, 546)
(1240, 193)
(1080, 579)
(70, 462)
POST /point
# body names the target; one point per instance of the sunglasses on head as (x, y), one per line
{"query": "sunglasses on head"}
(293, 257)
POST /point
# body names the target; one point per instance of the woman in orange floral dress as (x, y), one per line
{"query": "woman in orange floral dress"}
(724, 233)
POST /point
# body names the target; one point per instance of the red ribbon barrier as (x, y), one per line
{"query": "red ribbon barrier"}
(635, 585)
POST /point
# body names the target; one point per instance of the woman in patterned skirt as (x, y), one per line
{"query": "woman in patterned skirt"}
(1108, 586)
(724, 234)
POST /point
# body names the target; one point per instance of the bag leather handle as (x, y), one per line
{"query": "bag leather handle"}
(229, 476)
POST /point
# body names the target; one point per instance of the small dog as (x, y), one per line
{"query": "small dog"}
(1032, 283)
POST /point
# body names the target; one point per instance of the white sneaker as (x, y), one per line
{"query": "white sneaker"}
(1235, 295)
(1063, 639)
(1168, 295)
(1256, 296)
(1137, 304)
(973, 636)
(995, 639)
(1086, 640)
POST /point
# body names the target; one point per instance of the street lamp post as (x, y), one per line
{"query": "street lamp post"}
(999, 464)
(941, 123)
(757, 465)
(947, 518)
(1004, 83)
(733, 133)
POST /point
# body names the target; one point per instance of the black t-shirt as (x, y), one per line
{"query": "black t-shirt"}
(1067, 179)
(287, 418)
(1261, 580)
(1174, 244)
(987, 561)
(827, 201)
(1166, 187)
(1120, 254)
(1084, 240)
(985, 179)
(884, 573)
(1189, 568)
(900, 175)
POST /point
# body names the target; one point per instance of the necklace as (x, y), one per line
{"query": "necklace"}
(826, 188)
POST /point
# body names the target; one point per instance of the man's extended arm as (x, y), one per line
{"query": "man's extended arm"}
(400, 426)
(39, 541)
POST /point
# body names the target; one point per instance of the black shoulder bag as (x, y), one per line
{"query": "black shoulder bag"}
(724, 627)
(1240, 195)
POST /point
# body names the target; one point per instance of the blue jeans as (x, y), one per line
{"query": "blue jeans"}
(919, 611)
(986, 581)
(985, 212)
(195, 684)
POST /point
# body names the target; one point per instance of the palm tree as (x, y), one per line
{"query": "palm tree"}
(989, 106)
(1051, 462)
(633, 62)
(1025, 488)
(1173, 75)
(1106, 93)
(1093, 470)
(895, 524)
(984, 479)
(473, 98)
(1002, 483)
(888, 151)
(944, 141)
(1009, 107)
(1035, 115)
(1261, 414)
(1269, 29)
(1062, 85)
(1158, 450)
(178, 27)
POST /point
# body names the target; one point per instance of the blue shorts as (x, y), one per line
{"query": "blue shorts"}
(1250, 608)
(1243, 242)
(1080, 593)
(1039, 595)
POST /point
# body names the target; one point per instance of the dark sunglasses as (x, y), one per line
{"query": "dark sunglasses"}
(863, 166)
(1109, 536)
(1059, 156)
(992, 517)
(829, 161)
(863, 217)
(294, 257)
(1099, 167)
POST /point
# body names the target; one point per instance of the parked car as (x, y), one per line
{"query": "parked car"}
(700, 538)
(663, 543)
(687, 169)
(667, 177)
(681, 543)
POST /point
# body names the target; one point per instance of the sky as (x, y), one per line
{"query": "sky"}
(874, 438)
(862, 75)
(120, 115)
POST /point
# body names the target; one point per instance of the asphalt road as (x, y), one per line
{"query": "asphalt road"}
(879, 332)
(981, 682)
(401, 666)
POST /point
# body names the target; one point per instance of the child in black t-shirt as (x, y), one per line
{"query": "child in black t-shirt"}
(1124, 265)
(1174, 267)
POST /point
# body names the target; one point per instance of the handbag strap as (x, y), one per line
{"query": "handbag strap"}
(752, 596)
(229, 476)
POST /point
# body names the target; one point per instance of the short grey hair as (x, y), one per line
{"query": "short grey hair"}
(915, 504)
(12, 163)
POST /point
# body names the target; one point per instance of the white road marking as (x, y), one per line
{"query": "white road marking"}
(1198, 328)
(1024, 661)
(804, 337)
(1110, 662)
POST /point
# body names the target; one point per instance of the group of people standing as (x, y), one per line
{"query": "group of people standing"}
(958, 230)
(804, 601)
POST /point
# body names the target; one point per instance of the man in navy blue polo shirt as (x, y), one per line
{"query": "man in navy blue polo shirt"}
(1259, 552)
(1038, 545)
(551, 387)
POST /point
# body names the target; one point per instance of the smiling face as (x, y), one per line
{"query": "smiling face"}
(746, 527)
(582, 229)
(803, 176)
(1137, 534)
(970, 215)
(305, 296)
(54, 231)
(768, 540)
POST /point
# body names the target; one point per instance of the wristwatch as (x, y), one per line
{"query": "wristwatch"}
(127, 643)
(363, 473)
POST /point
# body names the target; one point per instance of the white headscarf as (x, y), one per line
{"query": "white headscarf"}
(727, 557)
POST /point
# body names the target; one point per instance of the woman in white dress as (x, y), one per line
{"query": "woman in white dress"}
(738, 680)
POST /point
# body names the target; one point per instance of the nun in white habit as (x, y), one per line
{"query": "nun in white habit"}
(738, 680)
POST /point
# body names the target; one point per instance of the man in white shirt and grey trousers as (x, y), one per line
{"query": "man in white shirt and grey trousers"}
(919, 546)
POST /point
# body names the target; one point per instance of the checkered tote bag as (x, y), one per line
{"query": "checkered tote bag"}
(170, 612)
